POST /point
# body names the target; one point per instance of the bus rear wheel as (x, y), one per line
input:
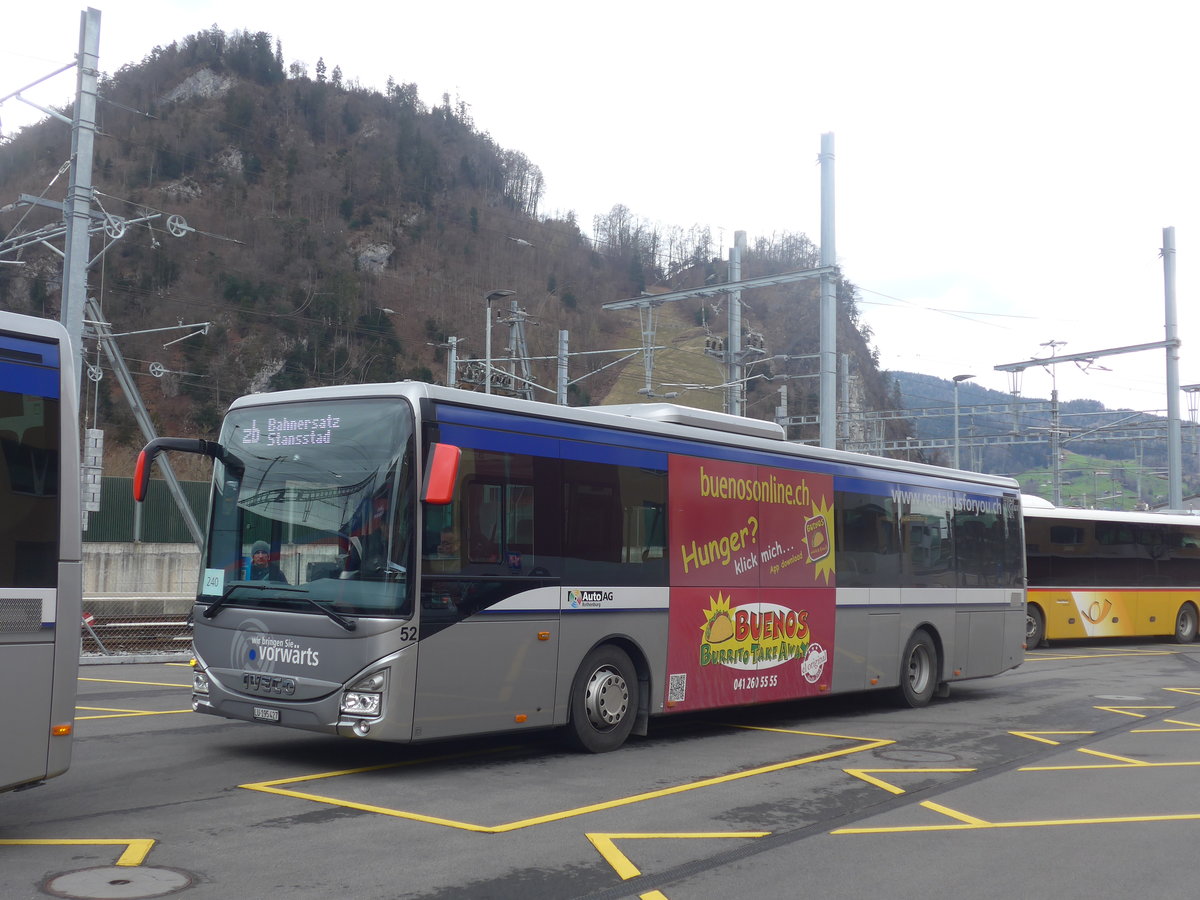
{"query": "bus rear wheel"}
(918, 671)
(604, 701)
(1185, 624)
(1035, 627)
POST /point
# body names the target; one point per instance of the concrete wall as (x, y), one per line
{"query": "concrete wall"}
(111, 569)
(116, 568)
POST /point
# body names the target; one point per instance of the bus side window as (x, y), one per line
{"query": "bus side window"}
(867, 543)
(614, 528)
(519, 512)
(440, 542)
(483, 522)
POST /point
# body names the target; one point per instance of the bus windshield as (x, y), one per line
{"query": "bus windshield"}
(312, 512)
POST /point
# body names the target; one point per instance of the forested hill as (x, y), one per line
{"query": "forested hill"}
(334, 234)
(986, 416)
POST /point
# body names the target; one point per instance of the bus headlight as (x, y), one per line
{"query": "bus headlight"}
(361, 703)
(365, 696)
(199, 683)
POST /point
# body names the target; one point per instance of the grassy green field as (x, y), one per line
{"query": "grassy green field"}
(1093, 482)
(682, 362)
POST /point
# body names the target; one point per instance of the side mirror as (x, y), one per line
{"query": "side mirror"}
(441, 474)
(141, 474)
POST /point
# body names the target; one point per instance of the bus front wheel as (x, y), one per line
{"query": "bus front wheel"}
(1185, 624)
(1035, 627)
(918, 671)
(604, 701)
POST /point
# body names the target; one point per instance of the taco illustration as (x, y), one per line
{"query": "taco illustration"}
(719, 629)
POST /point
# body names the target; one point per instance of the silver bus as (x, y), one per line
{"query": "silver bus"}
(408, 562)
(41, 579)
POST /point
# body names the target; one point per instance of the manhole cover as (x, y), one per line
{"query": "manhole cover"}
(117, 883)
(917, 756)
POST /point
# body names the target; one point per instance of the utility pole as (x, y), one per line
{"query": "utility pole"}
(78, 205)
(520, 376)
(733, 344)
(958, 379)
(487, 339)
(828, 428)
(1174, 432)
(561, 382)
(451, 347)
(452, 362)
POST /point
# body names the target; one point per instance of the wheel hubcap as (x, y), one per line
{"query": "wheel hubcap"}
(918, 670)
(606, 698)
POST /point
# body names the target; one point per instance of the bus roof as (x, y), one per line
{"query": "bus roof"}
(650, 418)
(1037, 507)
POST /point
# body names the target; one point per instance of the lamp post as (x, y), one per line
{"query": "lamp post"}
(958, 379)
(487, 368)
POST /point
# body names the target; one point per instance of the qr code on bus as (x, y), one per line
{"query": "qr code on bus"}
(677, 688)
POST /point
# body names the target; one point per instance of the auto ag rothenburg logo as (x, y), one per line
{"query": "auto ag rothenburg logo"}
(588, 599)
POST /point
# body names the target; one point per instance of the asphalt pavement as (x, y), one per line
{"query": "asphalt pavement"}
(1069, 777)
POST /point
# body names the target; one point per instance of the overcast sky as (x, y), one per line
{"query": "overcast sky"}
(1004, 171)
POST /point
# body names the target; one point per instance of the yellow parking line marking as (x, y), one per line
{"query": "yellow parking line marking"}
(1137, 651)
(146, 683)
(1189, 726)
(1132, 764)
(136, 849)
(1085, 654)
(1036, 823)
(966, 822)
(1113, 756)
(1034, 735)
(821, 734)
(1128, 710)
(623, 866)
(110, 713)
(891, 788)
(604, 842)
(274, 787)
(954, 814)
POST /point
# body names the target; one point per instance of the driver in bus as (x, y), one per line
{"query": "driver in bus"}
(261, 567)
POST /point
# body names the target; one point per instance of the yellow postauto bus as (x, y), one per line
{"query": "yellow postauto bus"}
(1097, 574)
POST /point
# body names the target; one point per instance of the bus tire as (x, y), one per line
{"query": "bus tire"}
(604, 701)
(1035, 627)
(918, 671)
(1185, 624)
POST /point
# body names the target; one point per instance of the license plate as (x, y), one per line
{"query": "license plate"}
(262, 714)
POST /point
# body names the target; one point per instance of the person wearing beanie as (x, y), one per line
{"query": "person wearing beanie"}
(261, 567)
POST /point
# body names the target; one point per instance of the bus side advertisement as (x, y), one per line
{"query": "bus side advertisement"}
(753, 584)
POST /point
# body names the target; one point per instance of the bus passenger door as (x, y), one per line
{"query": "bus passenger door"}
(485, 665)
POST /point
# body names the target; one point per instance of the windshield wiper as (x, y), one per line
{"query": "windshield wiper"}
(348, 624)
(217, 605)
